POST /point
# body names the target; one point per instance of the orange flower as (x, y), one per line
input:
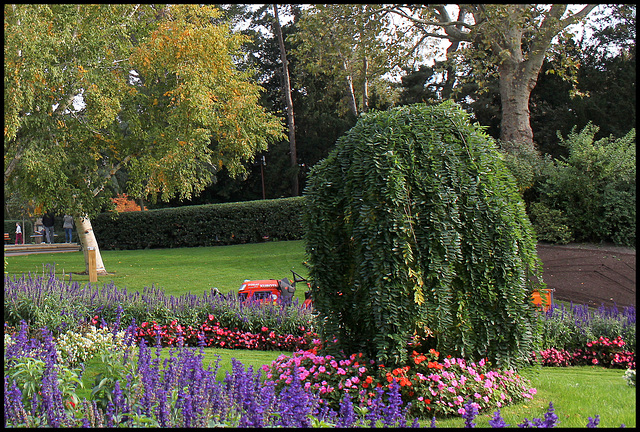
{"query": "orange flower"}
(419, 359)
(404, 382)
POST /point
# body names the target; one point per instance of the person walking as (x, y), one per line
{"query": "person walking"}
(47, 221)
(19, 239)
(68, 228)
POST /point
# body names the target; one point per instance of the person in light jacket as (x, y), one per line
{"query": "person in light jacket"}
(68, 228)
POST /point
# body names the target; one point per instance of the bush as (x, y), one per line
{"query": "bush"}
(201, 225)
(595, 187)
(414, 224)
(550, 224)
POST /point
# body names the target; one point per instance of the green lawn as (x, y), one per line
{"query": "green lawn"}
(576, 393)
(179, 271)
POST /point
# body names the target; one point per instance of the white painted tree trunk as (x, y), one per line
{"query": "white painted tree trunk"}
(88, 240)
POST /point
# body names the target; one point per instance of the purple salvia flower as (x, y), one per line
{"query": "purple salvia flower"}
(433, 422)
(497, 421)
(550, 418)
(375, 410)
(593, 422)
(347, 415)
(392, 412)
(471, 411)
(293, 405)
(109, 415)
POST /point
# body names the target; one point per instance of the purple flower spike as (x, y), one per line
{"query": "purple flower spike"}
(497, 421)
(550, 418)
(593, 422)
(347, 415)
(471, 411)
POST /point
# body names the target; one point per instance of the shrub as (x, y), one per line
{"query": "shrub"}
(201, 225)
(413, 223)
(595, 187)
(550, 224)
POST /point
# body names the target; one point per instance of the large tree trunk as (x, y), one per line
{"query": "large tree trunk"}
(516, 84)
(88, 240)
(287, 96)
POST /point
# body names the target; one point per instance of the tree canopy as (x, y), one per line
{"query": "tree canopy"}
(152, 90)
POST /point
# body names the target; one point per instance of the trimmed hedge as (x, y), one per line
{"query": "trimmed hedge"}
(202, 225)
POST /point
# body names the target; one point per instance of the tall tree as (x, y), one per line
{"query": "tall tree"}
(517, 37)
(286, 88)
(352, 44)
(93, 90)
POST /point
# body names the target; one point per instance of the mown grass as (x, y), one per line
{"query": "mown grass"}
(179, 271)
(576, 393)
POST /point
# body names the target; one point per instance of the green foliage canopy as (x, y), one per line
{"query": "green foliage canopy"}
(414, 226)
(161, 99)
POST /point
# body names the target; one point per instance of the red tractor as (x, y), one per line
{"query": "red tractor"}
(270, 290)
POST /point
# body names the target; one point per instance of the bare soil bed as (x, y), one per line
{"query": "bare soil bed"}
(592, 274)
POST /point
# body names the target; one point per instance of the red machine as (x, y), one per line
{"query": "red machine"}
(270, 290)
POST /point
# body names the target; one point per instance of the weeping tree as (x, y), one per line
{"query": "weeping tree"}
(414, 228)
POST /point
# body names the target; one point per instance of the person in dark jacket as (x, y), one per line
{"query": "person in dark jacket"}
(47, 221)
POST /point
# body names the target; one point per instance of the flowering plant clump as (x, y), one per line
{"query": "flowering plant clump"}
(554, 357)
(437, 387)
(76, 347)
(211, 334)
(630, 377)
(607, 353)
(603, 352)
(432, 387)
(327, 375)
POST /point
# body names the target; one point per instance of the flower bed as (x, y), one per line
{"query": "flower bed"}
(603, 352)
(211, 334)
(180, 392)
(432, 387)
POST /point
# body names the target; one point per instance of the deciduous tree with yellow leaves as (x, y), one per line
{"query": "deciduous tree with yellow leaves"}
(153, 90)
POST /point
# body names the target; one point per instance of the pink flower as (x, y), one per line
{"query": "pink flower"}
(322, 369)
(341, 371)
